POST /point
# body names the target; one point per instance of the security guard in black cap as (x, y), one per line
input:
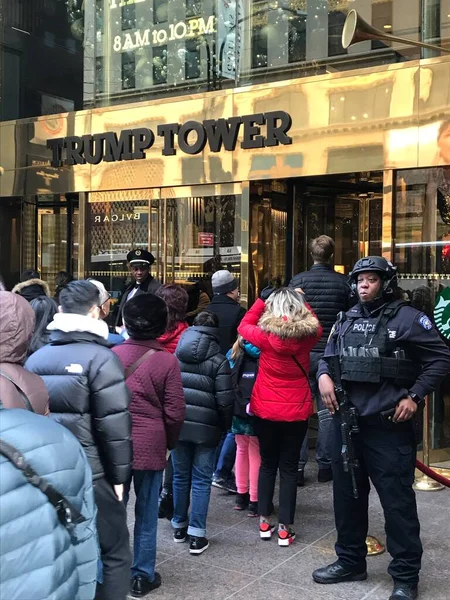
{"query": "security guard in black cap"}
(143, 283)
(390, 358)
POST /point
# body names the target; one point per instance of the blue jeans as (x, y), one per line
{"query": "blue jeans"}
(147, 485)
(227, 457)
(324, 443)
(193, 465)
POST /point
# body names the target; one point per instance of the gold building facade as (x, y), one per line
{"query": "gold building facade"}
(237, 160)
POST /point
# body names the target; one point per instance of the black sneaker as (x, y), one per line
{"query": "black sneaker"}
(198, 545)
(242, 501)
(300, 478)
(253, 509)
(141, 587)
(225, 484)
(179, 535)
(325, 475)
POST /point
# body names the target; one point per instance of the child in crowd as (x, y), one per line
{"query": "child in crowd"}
(243, 358)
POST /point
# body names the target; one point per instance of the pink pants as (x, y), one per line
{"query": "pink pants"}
(248, 461)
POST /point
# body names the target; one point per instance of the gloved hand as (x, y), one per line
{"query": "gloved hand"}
(265, 293)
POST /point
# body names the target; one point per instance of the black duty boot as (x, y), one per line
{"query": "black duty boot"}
(141, 587)
(325, 475)
(337, 573)
(165, 510)
(403, 591)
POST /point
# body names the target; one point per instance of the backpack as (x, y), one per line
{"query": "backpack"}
(243, 377)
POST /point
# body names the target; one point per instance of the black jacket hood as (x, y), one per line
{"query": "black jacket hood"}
(198, 344)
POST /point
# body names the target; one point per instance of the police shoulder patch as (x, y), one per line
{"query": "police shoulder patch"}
(425, 322)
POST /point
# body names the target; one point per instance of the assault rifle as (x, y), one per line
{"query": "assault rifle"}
(349, 421)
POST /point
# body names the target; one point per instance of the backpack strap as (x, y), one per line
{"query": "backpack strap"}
(67, 513)
(20, 391)
(132, 368)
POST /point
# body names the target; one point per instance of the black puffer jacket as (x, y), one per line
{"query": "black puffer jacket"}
(88, 395)
(328, 293)
(208, 390)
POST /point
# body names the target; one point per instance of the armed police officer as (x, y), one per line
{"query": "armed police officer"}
(382, 358)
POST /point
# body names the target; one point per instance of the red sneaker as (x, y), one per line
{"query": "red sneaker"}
(285, 537)
(266, 530)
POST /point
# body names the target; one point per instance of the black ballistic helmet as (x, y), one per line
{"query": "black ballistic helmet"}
(379, 265)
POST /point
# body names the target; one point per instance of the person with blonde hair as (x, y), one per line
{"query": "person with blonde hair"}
(284, 328)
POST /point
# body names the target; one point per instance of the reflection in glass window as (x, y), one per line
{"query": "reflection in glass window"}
(259, 46)
(99, 75)
(128, 17)
(204, 235)
(160, 64)
(193, 8)
(192, 59)
(297, 38)
(160, 11)
(128, 70)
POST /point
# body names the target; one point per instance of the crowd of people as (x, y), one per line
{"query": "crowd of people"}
(179, 398)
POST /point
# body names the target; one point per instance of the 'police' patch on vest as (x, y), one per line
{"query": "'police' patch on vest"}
(425, 322)
(364, 327)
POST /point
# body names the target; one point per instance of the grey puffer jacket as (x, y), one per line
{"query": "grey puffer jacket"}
(208, 389)
(40, 559)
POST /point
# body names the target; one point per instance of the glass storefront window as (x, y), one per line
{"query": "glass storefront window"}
(119, 51)
(203, 236)
(190, 238)
(422, 254)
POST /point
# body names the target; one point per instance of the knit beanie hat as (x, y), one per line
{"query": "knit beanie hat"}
(223, 282)
(145, 317)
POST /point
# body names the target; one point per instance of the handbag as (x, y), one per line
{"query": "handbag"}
(299, 365)
(22, 394)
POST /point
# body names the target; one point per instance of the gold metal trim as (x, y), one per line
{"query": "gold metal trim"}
(387, 240)
(245, 241)
(82, 205)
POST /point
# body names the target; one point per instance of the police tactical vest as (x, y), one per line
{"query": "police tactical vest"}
(369, 355)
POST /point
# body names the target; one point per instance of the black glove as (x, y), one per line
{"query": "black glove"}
(265, 293)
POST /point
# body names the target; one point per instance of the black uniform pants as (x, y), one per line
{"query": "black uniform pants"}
(279, 444)
(387, 455)
(114, 543)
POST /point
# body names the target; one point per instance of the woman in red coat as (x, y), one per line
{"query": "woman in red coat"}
(285, 330)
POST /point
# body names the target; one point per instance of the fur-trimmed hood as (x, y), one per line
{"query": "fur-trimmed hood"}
(287, 335)
(31, 289)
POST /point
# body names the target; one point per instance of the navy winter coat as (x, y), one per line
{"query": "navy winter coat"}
(39, 558)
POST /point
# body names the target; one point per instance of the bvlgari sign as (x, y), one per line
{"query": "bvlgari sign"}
(261, 130)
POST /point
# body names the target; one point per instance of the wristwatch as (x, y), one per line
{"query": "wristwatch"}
(415, 397)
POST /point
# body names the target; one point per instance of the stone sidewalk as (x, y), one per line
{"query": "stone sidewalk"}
(239, 565)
